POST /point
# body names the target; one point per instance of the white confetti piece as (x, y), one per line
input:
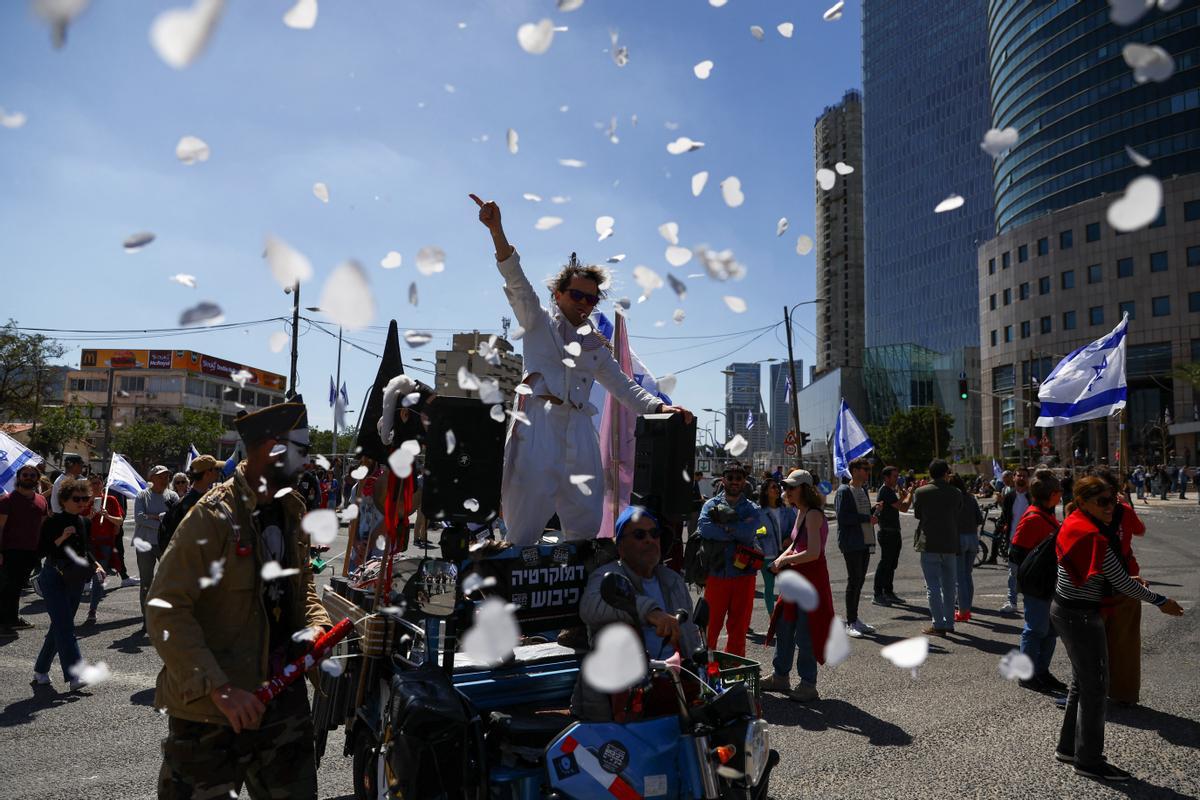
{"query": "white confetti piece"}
(731, 192)
(141, 545)
(302, 16)
(757, 32)
(574, 163)
(346, 297)
(184, 280)
(333, 667)
(683, 145)
(1148, 62)
(14, 120)
(1136, 157)
(698, 181)
(321, 525)
(467, 380)
(842, 168)
(158, 602)
(1016, 666)
(203, 313)
(494, 635)
(533, 198)
(216, 571)
(785, 29)
(90, 674)
(604, 227)
(569, 362)
(737, 445)
(647, 279)
(359, 472)
(513, 140)
(288, 265)
(826, 178)
(536, 37)
(678, 256)
(135, 242)
(546, 223)
(1127, 12)
(418, 338)
(568, 5)
(497, 412)
(392, 260)
(837, 645)
(430, 261)
(1138, 206)
(573, 349)
(617, 660)
(558, 199)
(720, 265)
(190, 150)
(703, 69)
(285, 491)
(795, 588)
(179, 35)
(617, 259)
(666, 384)
(580, 482)
(997, 142)
(951, 202)
(804, 244)
(476, 582)
(321, 192)
(678, 316)
(781, 226)
(834, 12)
(471, 504)
(736, 304)
(620, 54)
(669, 231)
(907, 653)
(241, 376)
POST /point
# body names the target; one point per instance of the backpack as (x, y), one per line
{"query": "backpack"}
(1038, 572)
(700, 555)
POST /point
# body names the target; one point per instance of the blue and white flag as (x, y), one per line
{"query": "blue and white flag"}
(850, 440)
(345, 395)
(997, 470)
(1088, 384)
(787, 389)
(232, 462)
(123, 478)
(191, 454)
(750, 419)
(13, 456)
(332, 392)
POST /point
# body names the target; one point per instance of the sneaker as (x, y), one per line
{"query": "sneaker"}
(22, 624)
(1033, 684)
(1103, 771)
(90, 621)
(1052, 683)
(127, 582)
(862, 626)
(896, 601)
(1008, 608)
(804, 693)
(1066, 758)
(77, 685)
(6, 632)
(776, 683)
(880, 600)
(40, 679)
(1061, 703)
(962, 616)
(853, 632)
(932, 631)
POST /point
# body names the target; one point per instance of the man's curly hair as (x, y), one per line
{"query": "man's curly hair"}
(594, 273)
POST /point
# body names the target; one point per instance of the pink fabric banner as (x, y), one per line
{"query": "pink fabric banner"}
(617, 425)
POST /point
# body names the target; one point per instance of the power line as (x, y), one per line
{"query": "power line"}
(116, 332)
(731, 352)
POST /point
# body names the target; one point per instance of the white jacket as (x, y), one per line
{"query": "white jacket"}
(546, 335)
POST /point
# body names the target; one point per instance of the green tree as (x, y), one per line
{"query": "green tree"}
(24, 358)
(1189, 372)
(165, 439)
(906, 441)
(321, 441)
(59, 425)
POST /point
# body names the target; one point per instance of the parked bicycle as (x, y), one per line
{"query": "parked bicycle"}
(993, 542)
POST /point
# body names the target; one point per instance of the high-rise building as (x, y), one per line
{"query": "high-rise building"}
(781, 404)
(743, 399)
(925, 110)
(486, 357)
(1057, 275)
(837, 145)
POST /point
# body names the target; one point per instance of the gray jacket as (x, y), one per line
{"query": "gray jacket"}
(147, 507)
(587, 703)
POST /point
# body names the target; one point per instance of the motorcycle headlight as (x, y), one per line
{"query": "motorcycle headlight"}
(757, 748)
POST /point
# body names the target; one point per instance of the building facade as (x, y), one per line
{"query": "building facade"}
(925, 110)
(485, 356)
(743, 400)
(841, 311)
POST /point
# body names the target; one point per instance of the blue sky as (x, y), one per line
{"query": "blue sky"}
(359, 102)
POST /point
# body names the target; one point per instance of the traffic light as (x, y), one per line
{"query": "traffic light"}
(804, 439)
(963, 392)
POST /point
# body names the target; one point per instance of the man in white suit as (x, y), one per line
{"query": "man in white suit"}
(564, 354)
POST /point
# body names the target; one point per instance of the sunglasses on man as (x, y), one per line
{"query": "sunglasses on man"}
(583, 297)
(641, 533)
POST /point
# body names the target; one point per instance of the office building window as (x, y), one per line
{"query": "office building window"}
(1124, 267)
(212, 390)
(1023, 291)
(1005, 260)
(1044, 284)
(1161, 219)
(1068, 320)
(129, 384)
(1095, 273)
(195, 386)
(1158, 261)
(1193, 256)
(1092, 232)
(1025, 329)
(1191, 210)
(1068, 279)
(1045, 325)
(991, 266)
(1023, 254)
(1008, 297)
(88, 385)
(1096, 315)
(1193, 303)
(994, 333)
(992, 303)
(1043, 246)
(1066, 240)
(1126, 308)
(1161, 306)
(1008, 333)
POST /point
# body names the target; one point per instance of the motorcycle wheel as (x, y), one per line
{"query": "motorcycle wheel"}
(364, 766)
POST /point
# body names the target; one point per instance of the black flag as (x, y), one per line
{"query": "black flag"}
(369, 443)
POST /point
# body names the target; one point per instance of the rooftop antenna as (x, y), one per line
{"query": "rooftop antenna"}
(505, 323)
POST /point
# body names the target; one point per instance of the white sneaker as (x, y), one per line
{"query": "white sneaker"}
(863, 627)
(127, 582)
(1008, 608)
(853, 632)
(41, 679)
(77, 684)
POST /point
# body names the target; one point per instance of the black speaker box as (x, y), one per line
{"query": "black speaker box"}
(472, 470)
(665, 451)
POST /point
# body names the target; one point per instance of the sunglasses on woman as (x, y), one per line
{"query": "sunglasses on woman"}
(583, 297)
(1104, 500)
(80, 498)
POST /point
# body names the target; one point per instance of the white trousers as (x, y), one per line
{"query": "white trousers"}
(539, 460)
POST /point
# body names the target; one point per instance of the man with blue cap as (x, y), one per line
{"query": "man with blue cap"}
(660, 593)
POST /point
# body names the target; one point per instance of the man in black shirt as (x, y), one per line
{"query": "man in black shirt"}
(890, 505)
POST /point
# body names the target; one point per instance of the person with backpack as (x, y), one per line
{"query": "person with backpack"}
(729, 525)
(1037, 524)
(203, 472)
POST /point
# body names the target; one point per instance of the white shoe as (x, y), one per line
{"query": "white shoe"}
(1008, 608)
(77, 684)
(41, 679)
(853, 632)
(862, 627)
(127, 582)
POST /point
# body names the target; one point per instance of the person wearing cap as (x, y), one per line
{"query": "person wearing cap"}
(661, 592)
(203, 472)
(72, 468)
(729, 520)
(237, 605)
(149, 508)
(564, 356)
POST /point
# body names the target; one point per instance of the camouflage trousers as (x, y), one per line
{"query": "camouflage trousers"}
(202, 761)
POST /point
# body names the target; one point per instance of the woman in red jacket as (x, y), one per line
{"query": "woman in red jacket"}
(1038, 523)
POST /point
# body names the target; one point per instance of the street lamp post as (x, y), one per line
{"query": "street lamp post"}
(787, 323)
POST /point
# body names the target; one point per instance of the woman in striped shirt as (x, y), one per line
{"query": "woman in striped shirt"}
(1090, 567)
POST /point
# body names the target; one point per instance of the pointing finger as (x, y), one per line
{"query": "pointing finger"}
(478, 202)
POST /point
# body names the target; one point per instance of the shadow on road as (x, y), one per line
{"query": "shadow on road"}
(84, 632)
(1175, 729)
(823, 715)
(133, 644)
(23, 712)
(983, 645)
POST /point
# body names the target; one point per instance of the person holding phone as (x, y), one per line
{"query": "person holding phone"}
(105, 518)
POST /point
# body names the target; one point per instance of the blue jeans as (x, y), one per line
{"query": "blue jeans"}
(791, 636)
(768, 579)
(940, 587)
(1038, 637)
(61, 604)
(1012, 582)
(968, 543)
(97, 594)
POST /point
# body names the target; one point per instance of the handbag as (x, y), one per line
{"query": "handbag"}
(746, 557)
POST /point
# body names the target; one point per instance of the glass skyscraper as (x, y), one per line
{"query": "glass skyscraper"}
(1058, 77)
(925, 111)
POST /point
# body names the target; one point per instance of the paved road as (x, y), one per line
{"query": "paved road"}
(956, 730)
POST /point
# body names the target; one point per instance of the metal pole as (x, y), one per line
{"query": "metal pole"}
(295, 332)
(787, 323)
(108, 413)
(337, 393)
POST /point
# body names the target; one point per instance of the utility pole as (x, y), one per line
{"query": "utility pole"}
(787, 324)
(295, 290)
(337, 398)
(108, 414)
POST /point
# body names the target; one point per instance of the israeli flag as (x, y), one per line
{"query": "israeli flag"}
(750, 419)
(1088, 384)
(191, 454)
(787, 389)
(123, 477)
(232, 462)
(997, 471)
(13, 456)
(332, 392)
(850, 440)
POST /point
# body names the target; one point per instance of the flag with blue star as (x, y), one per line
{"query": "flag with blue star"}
(1087, 384)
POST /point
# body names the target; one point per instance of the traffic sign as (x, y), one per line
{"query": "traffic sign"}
(790, 438)
(789, 449)
(1045, 449)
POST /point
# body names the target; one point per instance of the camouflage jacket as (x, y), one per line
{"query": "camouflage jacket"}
(209, 634)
